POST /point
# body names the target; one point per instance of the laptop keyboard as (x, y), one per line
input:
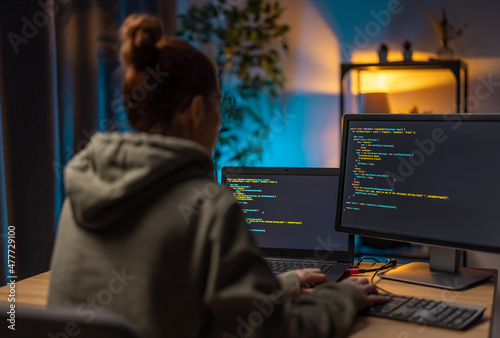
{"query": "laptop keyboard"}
(428, 312)
(278, 266)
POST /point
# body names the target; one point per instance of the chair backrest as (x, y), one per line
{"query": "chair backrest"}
(62, 323)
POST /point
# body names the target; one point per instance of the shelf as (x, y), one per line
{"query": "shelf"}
(457, 67)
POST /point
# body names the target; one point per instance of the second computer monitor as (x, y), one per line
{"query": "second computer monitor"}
(424, 178)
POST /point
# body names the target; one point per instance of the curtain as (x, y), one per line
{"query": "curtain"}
(60, 81)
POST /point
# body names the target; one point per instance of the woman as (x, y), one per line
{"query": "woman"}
(145, 231)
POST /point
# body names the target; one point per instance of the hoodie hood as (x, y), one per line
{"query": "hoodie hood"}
(115, 171)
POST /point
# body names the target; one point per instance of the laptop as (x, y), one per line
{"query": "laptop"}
(291, 213)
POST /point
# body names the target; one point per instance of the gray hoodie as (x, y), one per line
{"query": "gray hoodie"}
(147, 233)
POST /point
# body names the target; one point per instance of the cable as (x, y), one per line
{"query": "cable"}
(390, 264)
(355, 270)
(362, 259)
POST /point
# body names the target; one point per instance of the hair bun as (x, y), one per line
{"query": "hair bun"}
(140, 33)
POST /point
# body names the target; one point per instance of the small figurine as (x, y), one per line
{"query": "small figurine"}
(382, 53)
(407, 52)
(445, 32)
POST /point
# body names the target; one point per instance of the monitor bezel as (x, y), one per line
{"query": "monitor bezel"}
(450, 118)
(347, 255)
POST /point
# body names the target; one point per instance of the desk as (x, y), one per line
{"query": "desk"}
(33, 292)
(30, 291)
(483, 294)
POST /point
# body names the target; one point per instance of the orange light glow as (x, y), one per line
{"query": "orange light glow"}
(373, 82)
(428, 90)
(313, 66)
(397, 81)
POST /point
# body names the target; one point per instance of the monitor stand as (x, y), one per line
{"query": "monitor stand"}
(442, 272)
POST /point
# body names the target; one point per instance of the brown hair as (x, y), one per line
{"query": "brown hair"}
(162, 74)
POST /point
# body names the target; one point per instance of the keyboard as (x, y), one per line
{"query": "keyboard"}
(428, 312)
(278, 266)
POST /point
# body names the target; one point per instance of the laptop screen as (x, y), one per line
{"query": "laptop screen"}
(290, 208)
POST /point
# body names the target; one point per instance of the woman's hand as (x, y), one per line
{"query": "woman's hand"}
(368, 289)
(309, 278)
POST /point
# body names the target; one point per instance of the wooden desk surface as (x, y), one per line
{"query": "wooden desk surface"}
(30, 291)
(33, 292)
(483, 294)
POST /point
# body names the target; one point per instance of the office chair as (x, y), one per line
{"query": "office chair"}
(63, 323)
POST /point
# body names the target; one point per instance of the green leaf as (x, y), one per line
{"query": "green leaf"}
(247, 43)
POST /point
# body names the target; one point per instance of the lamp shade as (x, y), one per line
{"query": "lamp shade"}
(375, 103)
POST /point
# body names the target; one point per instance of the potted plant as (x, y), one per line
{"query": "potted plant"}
(382, 53)
(407, 51)
(445, 32)
(247, 43)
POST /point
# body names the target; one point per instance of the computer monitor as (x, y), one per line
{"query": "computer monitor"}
(423, 178)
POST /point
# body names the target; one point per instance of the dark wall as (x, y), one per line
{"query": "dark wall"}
(27, 103)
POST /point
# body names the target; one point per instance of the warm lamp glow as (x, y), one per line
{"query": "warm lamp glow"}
(394, 81)
(430, 90)
(399, 81)
(314, 65)
(374, 82)
(375, 103)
